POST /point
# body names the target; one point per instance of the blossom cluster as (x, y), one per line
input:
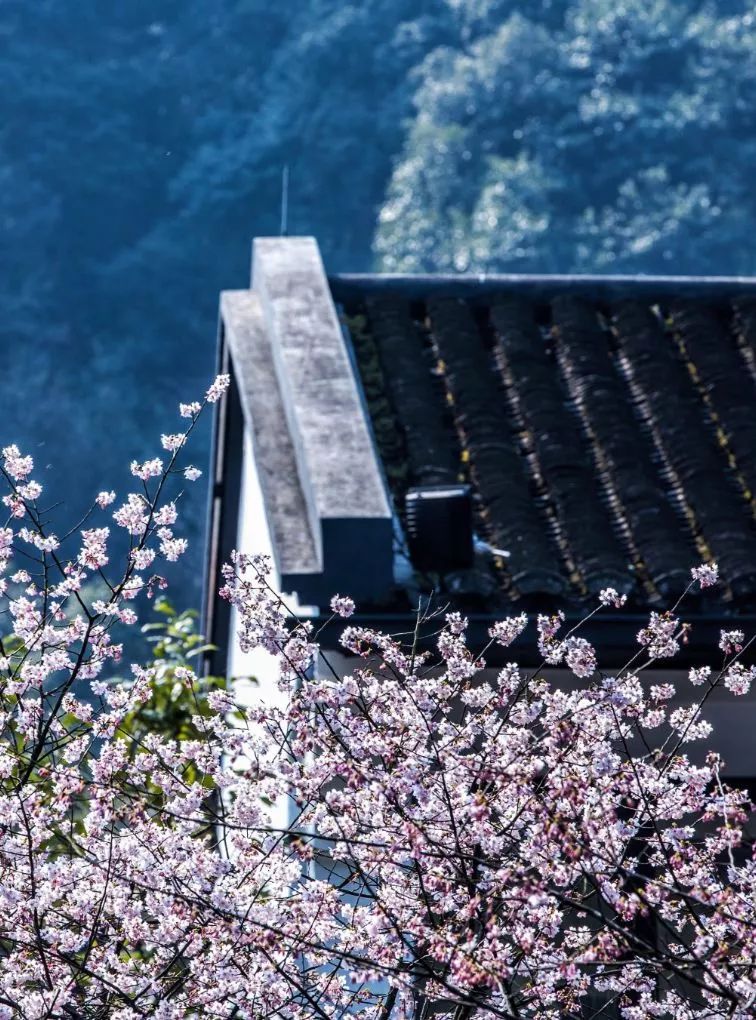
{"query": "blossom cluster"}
(455, 840)
(513, 846)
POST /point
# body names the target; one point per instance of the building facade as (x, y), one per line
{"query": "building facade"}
(494, 444)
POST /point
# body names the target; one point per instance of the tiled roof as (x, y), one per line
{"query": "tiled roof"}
(608, 427)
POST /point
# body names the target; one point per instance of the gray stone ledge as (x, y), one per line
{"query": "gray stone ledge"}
(294, 549)
(328, 512)
(334, 448)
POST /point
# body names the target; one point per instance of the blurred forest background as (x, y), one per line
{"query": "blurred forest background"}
(142, 145)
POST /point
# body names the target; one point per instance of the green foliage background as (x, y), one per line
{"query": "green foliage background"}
(174, 641)
(602, 137)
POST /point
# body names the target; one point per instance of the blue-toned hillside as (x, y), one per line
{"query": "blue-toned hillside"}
(142, 145)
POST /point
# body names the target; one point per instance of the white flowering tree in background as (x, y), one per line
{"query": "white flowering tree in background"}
(458, 846)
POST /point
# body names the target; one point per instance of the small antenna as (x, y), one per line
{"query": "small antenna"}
(285, 201)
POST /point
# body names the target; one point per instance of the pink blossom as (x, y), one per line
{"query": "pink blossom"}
(192, 473)
(171, 547)
(142, 558)
(166, 515)
(611, 597)
(15, 504)
(688, 724)
(147, 469)
(173, 442)
(342, 606)
(707, 574)
(456, 623)
(661, 636)
(580, 656)
(72, 581)
(190, 410)
(46, 543)
(662, 692)
(104, 499)
(738, 678)
(30, 491)
(94, 550)
(104, 608)
(731, 641)
(504, 632)
(132, 515)
(17, 466)
(550, 648)
(218, 388)
(133, 586)
(699, 675)
(185, 675)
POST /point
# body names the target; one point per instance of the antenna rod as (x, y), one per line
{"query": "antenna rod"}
(285, 200)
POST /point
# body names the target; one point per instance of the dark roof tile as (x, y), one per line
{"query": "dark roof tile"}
(661, 544)
(606, 428)
(697, 465)
(497, 466)
(433, 456)
(562, 453)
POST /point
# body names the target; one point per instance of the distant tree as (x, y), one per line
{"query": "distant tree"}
(582, 135)
(142, 147)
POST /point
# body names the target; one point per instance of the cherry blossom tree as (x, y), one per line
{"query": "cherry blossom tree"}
(454, 844)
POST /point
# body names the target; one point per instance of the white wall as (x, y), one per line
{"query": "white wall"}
(255, 674)
(254, 537)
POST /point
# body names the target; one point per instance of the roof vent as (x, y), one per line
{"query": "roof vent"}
(440, 528)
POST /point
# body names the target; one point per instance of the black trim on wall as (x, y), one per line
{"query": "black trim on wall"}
(614, 636)
(223, 514)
